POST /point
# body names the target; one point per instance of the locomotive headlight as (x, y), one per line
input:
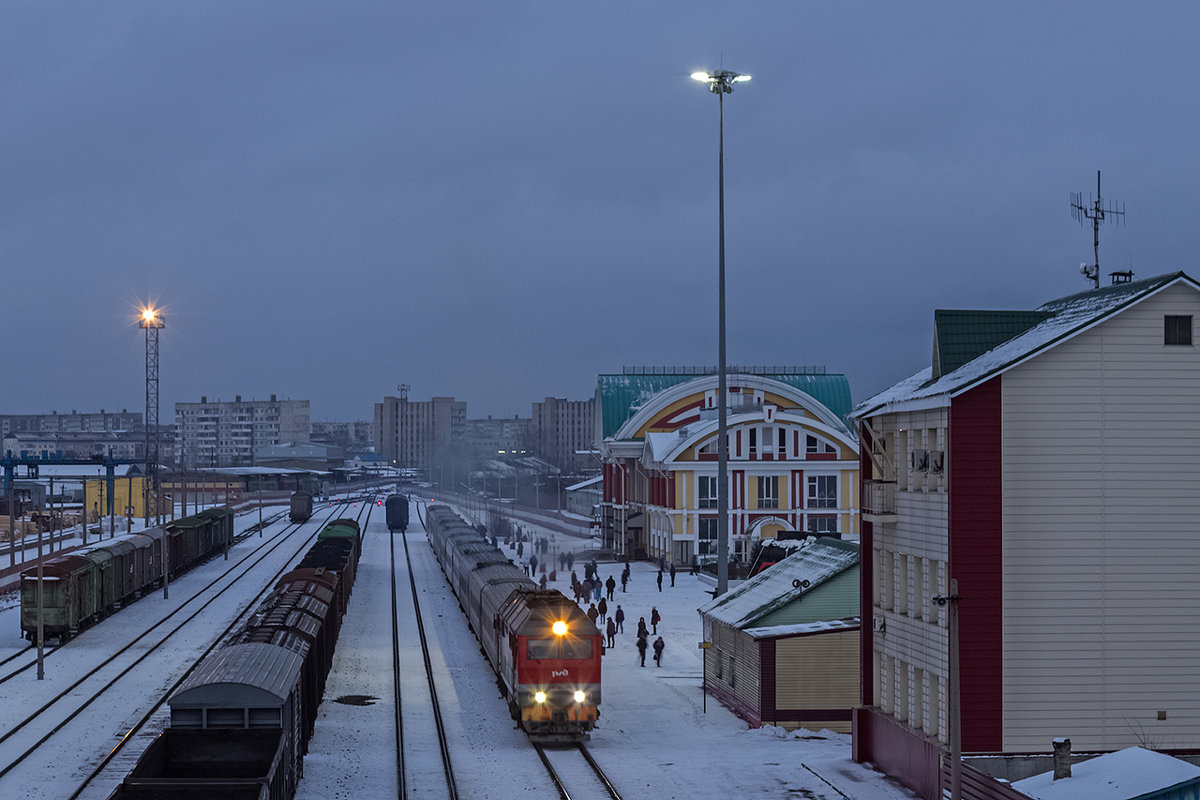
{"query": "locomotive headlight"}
(559, 627)
(580, 697)
(540, 697)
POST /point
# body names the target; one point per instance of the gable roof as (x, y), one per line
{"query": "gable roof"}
(783, 583)
(1063, 319)
(962, 336)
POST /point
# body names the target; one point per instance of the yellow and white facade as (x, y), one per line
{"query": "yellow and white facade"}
(793, 465)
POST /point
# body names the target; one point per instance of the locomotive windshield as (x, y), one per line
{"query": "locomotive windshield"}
(539, 649)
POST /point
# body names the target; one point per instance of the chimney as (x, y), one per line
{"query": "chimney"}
(1062, 758)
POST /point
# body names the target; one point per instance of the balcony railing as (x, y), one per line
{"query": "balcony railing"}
(879, 500)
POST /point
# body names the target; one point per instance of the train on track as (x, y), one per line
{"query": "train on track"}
(543, 648)
(396, 507)
(84, 586)
(241, 721)
(301, 507)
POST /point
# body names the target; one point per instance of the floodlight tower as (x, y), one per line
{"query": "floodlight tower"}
(152, 322)
(721, 83)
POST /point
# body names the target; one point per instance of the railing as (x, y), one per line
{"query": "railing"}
(879, 497)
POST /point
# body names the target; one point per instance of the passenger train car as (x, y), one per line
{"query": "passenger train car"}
(83, 586)
(543, 648)
(240, 723)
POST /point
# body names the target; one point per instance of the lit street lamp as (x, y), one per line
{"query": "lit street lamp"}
(152, 322)
(721, 83)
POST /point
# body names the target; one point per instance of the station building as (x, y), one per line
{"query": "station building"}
(793, 461)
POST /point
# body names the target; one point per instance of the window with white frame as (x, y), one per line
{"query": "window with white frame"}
(815, 446)
(707, 536)
(768, 491)
(822, 491)
(825, 523)
(706, 493)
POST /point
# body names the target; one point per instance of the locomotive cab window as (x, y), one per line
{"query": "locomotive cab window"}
(539, 649)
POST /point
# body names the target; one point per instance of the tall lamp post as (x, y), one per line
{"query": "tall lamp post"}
(152, 322)
(721, 83)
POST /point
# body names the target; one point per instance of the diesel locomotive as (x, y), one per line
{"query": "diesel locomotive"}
(543, 648)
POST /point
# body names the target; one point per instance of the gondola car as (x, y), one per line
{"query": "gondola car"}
(240, 723)
(545, 651)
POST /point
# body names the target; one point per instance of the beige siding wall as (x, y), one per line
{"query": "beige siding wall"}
(1102, 538)
(817, 672)
(909, 658)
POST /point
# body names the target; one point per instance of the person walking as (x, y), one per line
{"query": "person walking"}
(602, 607)
(624, 580)
(619, 616)
(592, 613)
(672, 575)
(641, 646)
(642, 631)
(533, 566)
(658, 648)
(598, 587)
(655, 618)
(543, 580)
(610, 629)
(611, 585)
(660, 579)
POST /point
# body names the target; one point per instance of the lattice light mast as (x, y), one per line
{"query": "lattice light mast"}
(151, 321)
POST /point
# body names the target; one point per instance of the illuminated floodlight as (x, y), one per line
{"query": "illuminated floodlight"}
(559, 627)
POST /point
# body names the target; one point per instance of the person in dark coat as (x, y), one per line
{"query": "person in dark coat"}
(672, 574)
(602, 607)
(624, 580)
(533, 566)
(611, 585)
(655, 618)
(610, 629)
(658, 648)
(592, 613)
(642, 631)
(660, 579)
(543, 580)
(641, 646)
(619, 616)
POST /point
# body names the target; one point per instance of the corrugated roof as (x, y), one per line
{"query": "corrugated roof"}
(1066, 317)
(820, 626)
(779, 585)
(961, 336)
(621, 396)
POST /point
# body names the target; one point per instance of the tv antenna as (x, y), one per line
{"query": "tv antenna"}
(1097, 213)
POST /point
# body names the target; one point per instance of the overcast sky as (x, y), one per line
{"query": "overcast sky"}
(498, 201)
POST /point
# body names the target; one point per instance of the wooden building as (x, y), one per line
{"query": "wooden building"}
(783, 646)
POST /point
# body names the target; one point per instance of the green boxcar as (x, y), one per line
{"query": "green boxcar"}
(70, 596)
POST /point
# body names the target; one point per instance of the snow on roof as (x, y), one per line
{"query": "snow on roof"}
(1123, 775)
(820, 626)
(1067, 316)
(779, 585)
(584, 484)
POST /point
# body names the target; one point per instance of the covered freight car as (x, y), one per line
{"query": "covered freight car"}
(302, 507)
(396, 507)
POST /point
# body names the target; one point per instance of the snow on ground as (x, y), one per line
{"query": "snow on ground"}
(654, 737)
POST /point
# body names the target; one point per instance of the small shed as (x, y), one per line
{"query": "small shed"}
(783, 647)
(1130, 774)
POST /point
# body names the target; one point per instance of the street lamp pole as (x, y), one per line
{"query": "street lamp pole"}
(721, 83)
(152, 322)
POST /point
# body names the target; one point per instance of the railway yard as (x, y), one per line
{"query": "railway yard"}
(103, 701)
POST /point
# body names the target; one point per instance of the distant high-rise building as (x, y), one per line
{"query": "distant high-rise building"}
(500, 438)
(561, 429)
(227, 433)
(419, 434)
(95, 422)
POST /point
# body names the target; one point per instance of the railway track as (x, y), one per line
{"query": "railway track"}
(402, 745)
(287, 531)
(131, 672)
(575, 773)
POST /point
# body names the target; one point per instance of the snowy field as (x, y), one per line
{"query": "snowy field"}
(654, 739)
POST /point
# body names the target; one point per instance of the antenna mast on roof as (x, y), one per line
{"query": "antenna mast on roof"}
(1097, 214)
